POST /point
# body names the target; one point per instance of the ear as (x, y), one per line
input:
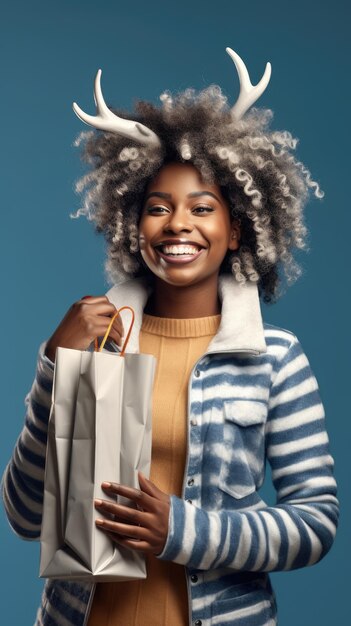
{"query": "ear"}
(235, 235)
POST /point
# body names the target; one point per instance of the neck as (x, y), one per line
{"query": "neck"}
(185, 302)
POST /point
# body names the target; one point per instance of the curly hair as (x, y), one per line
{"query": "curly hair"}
(265, 185)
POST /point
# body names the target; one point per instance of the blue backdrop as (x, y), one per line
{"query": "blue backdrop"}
(50, 52)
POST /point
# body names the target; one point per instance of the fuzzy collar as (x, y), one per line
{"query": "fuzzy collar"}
(241, 326)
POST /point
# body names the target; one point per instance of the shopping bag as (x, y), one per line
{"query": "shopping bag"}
(99, 430)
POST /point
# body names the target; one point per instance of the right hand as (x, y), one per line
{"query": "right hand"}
(86, 319)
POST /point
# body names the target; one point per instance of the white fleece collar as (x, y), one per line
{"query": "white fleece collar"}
(241, 327)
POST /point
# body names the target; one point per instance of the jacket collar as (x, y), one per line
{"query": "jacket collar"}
(241, 326)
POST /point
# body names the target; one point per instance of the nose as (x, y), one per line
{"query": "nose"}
(179, 220)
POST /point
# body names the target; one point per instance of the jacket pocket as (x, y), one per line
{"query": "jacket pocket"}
(242, 467)
(254, 608)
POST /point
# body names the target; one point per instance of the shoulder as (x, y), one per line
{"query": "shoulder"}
(278, 335)
(281, 343)
(286, 354)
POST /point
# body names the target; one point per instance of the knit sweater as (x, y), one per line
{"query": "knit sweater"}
(177, 344)
(252, 397)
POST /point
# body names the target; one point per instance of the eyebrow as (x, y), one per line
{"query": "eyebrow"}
(194, 194)
(159, 194)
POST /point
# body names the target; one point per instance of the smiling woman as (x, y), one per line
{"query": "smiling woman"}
(183, 241)
(254, 168)
(201, 209)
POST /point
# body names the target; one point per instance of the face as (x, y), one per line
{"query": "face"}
(185, 228)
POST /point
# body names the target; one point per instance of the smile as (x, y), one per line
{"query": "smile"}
(178, 254)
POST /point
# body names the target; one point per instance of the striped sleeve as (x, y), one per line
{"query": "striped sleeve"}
(299, 530)
(23, 479)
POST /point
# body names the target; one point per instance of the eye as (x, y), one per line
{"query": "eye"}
(203, 209)
(155, 208)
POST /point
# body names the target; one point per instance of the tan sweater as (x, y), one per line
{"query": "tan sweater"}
(162, 598)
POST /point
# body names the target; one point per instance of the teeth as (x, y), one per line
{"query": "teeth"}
(179, 249)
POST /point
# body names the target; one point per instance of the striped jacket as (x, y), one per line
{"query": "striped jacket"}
(252, 396)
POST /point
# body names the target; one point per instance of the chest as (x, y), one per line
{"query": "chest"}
(228, 408)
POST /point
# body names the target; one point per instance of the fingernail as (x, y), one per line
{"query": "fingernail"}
(106, 485)
(98, 502)
(99, 521)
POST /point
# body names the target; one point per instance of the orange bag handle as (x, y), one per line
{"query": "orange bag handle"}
(99, 349)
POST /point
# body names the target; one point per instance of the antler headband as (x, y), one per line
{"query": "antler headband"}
(108, 121)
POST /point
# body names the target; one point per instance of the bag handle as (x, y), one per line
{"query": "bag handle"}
(99, 349)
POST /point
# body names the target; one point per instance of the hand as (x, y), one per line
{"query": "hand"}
(144, 528)
(87, 319)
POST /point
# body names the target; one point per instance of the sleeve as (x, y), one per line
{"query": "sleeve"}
(23, 479)
(299, 530)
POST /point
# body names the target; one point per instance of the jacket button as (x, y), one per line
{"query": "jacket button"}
(198, 622)
(194, 578)
(191, 482)
(193, 422)
(197, 374)
(189, 501)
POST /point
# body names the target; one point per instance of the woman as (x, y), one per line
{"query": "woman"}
(201, 208)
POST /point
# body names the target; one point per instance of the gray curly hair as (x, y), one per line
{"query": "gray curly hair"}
(265, 185)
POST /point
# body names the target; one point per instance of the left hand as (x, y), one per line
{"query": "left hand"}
(144, 528)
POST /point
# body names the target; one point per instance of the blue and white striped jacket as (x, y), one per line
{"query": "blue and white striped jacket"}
(252, 396)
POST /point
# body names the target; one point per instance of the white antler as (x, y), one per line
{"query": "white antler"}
(106, 120)
(248, 93)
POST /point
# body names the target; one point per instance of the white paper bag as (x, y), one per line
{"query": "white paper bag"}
(99, 430)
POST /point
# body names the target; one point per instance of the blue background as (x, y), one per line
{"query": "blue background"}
(50, 52)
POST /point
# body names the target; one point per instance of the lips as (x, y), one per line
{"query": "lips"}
(176, 252)
(180, 249)
(178, 242)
